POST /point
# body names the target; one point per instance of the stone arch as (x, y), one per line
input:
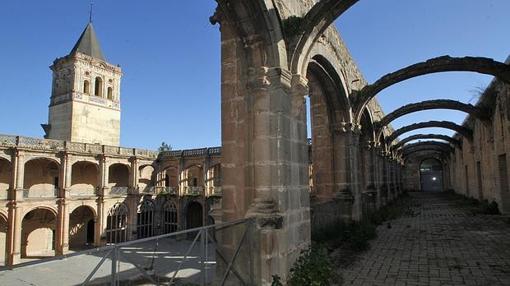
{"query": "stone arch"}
(118, 175)
(38, 233)
(431, 175)
(170, 177)
(86, 87)
(84, 178)
(117, 223)
(109, 94)
(41, 178)
(82, 224)
(5, 177)
(252, 22)
(146, 177)
(3, 238)
(145, 219)
(98, 86)
(366, 163)
(431, 104)
(312, 26)
(422, 146)
(434, 65)
(449, 139)
(194, 214)
(193, 175)
(170, 222)
(325, 113)
(464, 131)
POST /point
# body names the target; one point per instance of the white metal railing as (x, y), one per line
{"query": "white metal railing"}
(152, 264)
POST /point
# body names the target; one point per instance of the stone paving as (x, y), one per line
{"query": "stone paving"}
(440, 244)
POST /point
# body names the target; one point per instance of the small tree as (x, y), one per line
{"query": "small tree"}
(164, 147)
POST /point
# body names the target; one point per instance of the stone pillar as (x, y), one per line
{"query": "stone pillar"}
(133, 175)
(13, 239)
(18, 173)
(353, 136)
(65, 175)
(62, 231)
(103, 169)
(264, 160)
(99, 226)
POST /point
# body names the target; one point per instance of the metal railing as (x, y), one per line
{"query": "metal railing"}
(152, 261)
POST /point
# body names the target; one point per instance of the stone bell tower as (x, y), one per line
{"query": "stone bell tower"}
(85, 97)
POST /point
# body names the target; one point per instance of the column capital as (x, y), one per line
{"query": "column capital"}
(262, 77)
(347, 127)
(299, 85)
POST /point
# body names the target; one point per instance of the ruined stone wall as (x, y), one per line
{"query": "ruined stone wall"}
(480, 166)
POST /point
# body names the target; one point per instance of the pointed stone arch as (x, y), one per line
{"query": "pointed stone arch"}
(464, 131)
(311, 27)
(432, 104)
(449, 139)
(435, 65)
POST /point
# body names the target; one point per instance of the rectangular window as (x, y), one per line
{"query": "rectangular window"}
(479, 177)
(503, 173)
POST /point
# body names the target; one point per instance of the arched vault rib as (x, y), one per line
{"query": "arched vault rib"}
(435, 65)
(449, 139)
(312, 26)
(432, 104)
(464, 131)
(441, 147)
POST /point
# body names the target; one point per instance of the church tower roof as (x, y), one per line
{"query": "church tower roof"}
(88, 44)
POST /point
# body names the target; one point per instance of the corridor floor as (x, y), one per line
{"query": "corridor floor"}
(439, 244)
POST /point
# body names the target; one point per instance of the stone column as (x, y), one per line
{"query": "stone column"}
(66, 175)
(133, 176)
(103, 169)
(62, 231)
(18, 172)
(99, 226)
(353, 136)
(13, 239)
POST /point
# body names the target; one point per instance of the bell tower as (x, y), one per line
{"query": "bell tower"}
(85, 97)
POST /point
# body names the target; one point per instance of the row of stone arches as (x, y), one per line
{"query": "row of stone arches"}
(98, 88)
(43, 177)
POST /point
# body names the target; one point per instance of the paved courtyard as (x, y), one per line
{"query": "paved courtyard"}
(440, 244)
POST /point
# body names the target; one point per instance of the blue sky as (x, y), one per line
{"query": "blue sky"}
(170, 56)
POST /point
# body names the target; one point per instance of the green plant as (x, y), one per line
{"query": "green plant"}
(276, 281)
(312, 268)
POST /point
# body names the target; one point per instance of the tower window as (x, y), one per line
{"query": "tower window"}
(86, 87)
(110, 93)
(99, 87)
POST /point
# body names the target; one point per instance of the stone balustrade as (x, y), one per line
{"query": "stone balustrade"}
(59, 145)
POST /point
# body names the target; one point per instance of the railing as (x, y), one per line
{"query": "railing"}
(189, 257)
(148, 190)
(170, 190)
(83, 192)
(119, 190)
(60, 145)
(35, 193)
(194, 191)
(215, 191)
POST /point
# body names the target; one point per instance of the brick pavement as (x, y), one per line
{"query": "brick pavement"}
(440, 244)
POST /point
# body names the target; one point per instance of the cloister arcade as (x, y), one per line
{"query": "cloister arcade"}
(274, 56)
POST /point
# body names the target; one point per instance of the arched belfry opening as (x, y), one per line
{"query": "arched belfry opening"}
(431, 175)
(98, 90)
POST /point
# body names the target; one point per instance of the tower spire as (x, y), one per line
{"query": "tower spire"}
(90, 11)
